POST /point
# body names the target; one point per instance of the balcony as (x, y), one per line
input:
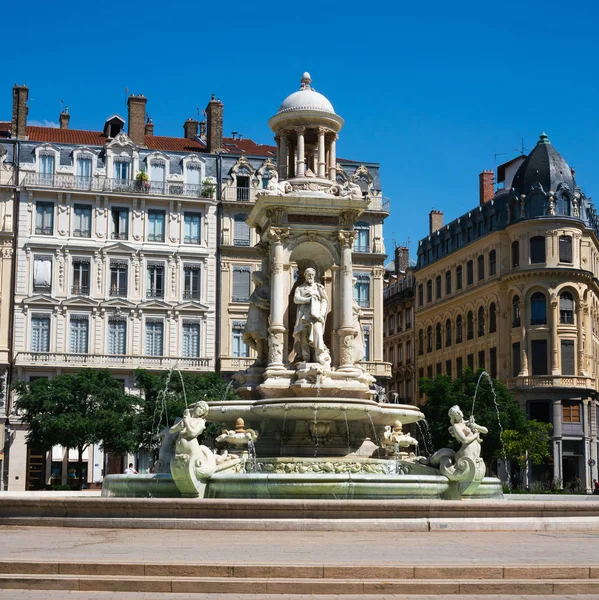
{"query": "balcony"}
(155, 293)
(58, 359)
(548, 381)
(239, 194)
(376, 369)
(192, 295)
(118, 292)
(120, 186)
(80, 290)
(235, 363)
(379, 204)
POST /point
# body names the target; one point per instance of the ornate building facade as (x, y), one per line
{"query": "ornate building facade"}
(132, 251)
(511, 287)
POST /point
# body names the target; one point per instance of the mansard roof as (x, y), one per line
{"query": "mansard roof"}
(543, 168)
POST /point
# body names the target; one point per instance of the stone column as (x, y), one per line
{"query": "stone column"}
(553, 323)
(586, 421)
(376, 334)
(333, 159)
(321, 153)
(301, 158)
(283, 158)
(278, 298)
(524, 342)
(346, 330)
(557, 442)
(290, 161)
(581, 326)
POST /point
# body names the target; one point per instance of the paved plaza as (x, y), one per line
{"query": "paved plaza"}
(300, 548)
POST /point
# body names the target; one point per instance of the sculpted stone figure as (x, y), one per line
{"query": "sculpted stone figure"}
(465, 432)
(359, 347)
(189, 454)
(312, 304)
(255, 333)
(394, 435)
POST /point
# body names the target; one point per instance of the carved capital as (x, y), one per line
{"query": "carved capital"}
(278, 235)
(347, 238)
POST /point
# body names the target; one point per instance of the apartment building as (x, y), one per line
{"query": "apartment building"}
(511, 287)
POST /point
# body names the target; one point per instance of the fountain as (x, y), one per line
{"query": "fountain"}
(318, 425)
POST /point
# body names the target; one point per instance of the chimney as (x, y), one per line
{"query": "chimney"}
(402, 258)
(203, 130)
(486, 184)
(20, 93)
(435, 220)
(149, 127)
(190, 127)
(64, 118)
(214, 116)
(137, 118)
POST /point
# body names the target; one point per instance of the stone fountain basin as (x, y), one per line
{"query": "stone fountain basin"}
(310, 409)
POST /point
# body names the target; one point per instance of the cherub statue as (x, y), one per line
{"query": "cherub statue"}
(394, 435)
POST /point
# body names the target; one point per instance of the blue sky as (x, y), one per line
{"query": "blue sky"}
(436, 92)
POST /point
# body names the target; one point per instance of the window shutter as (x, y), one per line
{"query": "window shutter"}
(241, 284)
(191, 339)
(568, 365)
(565, 249)
(242, 231)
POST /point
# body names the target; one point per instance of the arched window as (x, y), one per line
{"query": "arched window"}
(566, 308)
(458, 330)
(481, 321)
(515, 254)
(448, 332)
(516, 311)
(563, 205)
(492, 318)
(421, 342)
(538, 309)
(537, 249)
(362, 243)
(469, 325)
(536, 205)
(429, 339)
(438, 337)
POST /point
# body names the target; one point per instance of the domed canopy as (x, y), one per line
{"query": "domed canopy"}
(544, 166)
(306, 99)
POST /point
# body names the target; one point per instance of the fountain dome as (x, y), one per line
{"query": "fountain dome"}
(306, 99)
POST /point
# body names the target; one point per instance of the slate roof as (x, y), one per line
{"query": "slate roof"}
(544, 166)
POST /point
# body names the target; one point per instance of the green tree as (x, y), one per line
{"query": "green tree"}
(74, 411)
(442, 393)
(163, 400)
(528, 447)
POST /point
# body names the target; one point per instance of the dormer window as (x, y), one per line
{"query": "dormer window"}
(47, 166)
(84, 166)
(113, 126)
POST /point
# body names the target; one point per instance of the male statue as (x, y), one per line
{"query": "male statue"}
(312, 303)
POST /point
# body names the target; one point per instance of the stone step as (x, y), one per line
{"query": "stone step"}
(316, 572)
(285, 586)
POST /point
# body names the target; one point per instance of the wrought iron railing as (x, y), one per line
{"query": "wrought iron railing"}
(239, 194)
(80, 290)
(126, 186)
(112, 360)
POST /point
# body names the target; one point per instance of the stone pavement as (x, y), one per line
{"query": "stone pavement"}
(299, 547)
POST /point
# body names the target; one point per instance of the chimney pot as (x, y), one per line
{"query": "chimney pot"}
(20, 93)
(486, 184)
(64, 118)
(402, 259)
(435, 220)
(190, 127)
(137, 118)
(149, 127)
(214, 117)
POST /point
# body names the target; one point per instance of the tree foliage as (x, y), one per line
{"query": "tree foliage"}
(163, 400)
(442, 393)
(74, 411)
(528, 447)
